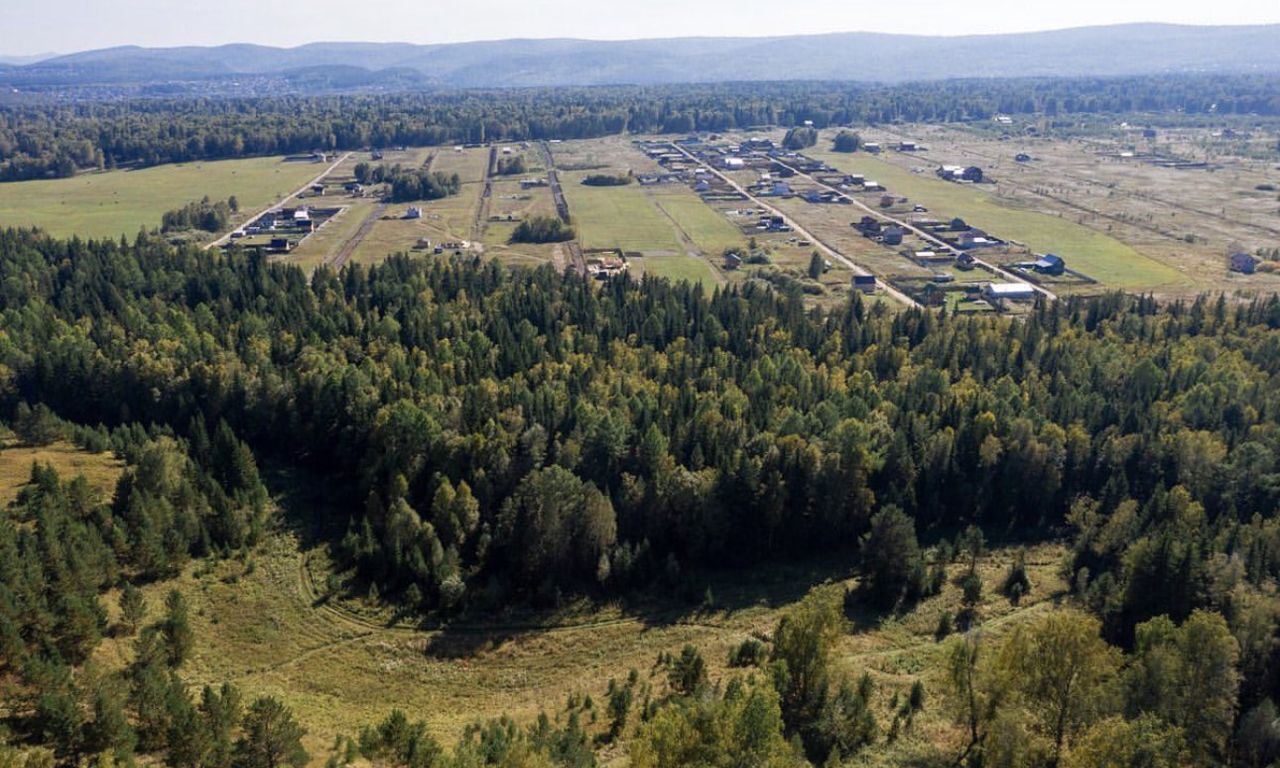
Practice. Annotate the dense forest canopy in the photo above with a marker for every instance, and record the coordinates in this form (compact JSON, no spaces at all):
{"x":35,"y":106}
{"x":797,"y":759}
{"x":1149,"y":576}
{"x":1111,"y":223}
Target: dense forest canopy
{"x":494,"y":425}
{"x":43,"y":140}
{"x":492,"y":436}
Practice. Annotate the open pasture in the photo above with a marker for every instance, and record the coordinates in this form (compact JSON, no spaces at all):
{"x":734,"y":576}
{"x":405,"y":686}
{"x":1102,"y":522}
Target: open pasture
{"x":114,"y":203}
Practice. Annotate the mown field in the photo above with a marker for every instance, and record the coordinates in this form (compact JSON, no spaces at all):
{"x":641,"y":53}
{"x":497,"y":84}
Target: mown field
{"x":710,"y":231}
{"x":618,"y":217}
{"x":121,"y":202}
{"x":693,"y":268}
{"x":1111,"y":262}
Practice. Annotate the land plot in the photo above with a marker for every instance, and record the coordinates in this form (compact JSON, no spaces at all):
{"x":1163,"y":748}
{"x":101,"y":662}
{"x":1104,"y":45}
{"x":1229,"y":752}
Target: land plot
{"x":120,"y":202}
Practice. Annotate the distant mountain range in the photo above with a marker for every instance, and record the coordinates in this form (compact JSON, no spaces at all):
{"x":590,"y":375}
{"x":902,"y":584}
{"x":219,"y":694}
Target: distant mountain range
{"x":1131,"y":49}
{"x":29,"y":59}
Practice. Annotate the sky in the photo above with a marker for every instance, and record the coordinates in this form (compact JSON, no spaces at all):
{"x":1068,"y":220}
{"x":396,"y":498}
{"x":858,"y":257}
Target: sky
{"x":65,"y":26}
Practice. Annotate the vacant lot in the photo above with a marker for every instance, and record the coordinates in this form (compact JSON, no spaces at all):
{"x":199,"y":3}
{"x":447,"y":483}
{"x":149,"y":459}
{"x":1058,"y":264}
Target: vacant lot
{"x":121,"y":202}
{"x":710,"y":232}
{"x":625,"y":218}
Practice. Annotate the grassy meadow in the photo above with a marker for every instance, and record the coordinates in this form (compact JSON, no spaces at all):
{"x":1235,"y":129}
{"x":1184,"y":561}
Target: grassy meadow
{"x":710,"y":231}
{"x":100,"y":469}
{"x":618,"y":217}
{"x":679,"y":267}
{"x":113,"y":203}
{"x":268,"y":623}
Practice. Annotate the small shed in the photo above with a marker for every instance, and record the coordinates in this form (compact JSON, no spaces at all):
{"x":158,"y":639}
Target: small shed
{"x":864,"y":283}
{"x":892,"y":236}
{"x":1243,"y":263}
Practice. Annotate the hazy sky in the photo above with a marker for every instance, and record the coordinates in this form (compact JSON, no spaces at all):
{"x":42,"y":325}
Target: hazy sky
{"x":37,"y":26}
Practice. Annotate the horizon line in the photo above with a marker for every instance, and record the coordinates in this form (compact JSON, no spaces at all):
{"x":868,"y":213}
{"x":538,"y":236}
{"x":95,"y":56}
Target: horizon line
{"x":47,"y":55}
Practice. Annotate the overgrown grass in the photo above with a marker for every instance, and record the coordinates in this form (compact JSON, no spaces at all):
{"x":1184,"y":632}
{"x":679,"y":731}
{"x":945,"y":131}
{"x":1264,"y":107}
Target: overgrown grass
{"x":268,"y":623}
{"x":710,"y":231}
{"x":100,"y":469}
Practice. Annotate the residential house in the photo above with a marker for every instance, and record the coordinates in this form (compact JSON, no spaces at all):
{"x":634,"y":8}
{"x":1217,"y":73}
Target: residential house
{"x":1049,"y":264}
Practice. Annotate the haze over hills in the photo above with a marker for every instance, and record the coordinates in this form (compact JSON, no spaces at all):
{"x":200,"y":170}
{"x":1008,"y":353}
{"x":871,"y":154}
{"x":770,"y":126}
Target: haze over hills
{"x":28,"y":59}
{"x":1131,"y":49}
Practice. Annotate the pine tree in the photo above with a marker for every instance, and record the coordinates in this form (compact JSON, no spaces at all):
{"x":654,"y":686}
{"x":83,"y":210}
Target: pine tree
{"x":133,"y":608}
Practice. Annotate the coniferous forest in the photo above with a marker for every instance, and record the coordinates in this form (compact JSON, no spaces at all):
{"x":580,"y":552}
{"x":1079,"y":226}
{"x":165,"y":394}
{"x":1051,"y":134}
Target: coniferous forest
{"x":52,"y":139}
{"x":493,"y":436}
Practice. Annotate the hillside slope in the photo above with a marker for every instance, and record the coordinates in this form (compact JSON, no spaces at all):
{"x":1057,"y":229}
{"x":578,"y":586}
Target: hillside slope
{"x":1092,"y":51}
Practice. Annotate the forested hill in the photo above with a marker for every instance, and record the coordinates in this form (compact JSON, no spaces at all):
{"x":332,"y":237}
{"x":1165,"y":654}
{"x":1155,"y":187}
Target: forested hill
{"x":1096,"y":51}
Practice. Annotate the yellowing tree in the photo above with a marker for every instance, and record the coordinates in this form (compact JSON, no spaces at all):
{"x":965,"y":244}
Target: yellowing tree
{"x":1064,"y":672}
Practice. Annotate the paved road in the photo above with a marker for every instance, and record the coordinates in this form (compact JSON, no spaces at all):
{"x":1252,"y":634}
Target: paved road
{"x":296,"y":192}
{"x":822,"y":245}
{"x":928,"y":237}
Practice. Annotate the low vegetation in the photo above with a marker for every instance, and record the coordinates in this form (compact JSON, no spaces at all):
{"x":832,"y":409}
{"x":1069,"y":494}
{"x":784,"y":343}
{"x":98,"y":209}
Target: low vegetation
{"x":607,"y":180}
{"x":542,"y":229}
{"x":205,"y":215}
{"x":846,"y":141}
{"x":511,"y":166}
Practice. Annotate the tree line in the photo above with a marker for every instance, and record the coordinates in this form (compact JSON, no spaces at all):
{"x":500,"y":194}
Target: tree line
{"x":55,"y":140}
{"x":204,"y":215}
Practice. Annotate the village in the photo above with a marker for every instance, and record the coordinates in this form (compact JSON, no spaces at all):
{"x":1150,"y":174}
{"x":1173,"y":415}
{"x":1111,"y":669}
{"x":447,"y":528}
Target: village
{"x":967,"y":268}
{"x":825,"y":221}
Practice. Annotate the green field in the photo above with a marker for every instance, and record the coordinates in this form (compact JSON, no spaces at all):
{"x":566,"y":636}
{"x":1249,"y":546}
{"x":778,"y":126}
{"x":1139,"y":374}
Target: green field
{"x":121,"y":202}
{"x":680,"y":267}
{"x":618,"y":217}
{"x":709,"y":230}
{"x":1103,"y":258}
